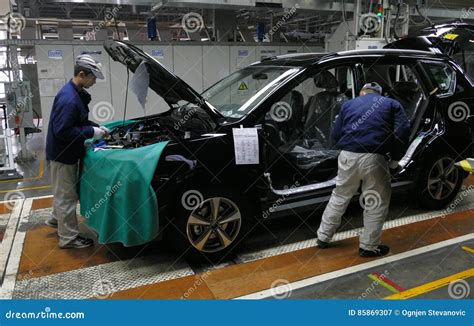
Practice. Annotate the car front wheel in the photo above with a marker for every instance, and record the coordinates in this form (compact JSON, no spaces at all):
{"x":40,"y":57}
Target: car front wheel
{"x":209,"y":224}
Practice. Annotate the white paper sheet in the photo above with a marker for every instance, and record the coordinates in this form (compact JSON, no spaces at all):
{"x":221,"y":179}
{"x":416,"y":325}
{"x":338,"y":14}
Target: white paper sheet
{"x":140,"y":82}
{"x":246,"y":146}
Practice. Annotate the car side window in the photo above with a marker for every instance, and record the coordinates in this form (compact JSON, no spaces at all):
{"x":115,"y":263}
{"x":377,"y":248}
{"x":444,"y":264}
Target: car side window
{"x":306,"y":113}
{"x":443,"y":76}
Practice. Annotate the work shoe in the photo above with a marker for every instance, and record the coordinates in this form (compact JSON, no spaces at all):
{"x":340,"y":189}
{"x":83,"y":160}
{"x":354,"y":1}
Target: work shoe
{"x":322,"y":244}
{"x":52,"y":222}
{"x":78,"y":243}
{"x":381,"y":250}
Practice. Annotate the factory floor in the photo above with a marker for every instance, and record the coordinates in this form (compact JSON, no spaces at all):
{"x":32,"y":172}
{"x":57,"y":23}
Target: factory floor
{"x":35,"y":173}
{"x":432,"y":256}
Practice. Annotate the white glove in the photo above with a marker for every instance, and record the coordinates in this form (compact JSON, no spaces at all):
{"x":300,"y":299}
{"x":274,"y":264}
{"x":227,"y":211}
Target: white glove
{"x":107,"y":130}
{"x":98,"y":133}
{"x":393,"y":164}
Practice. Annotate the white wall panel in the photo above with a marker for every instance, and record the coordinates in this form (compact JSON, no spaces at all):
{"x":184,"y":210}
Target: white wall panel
{"x":188,"y":64}
{"x":241,"y":56}
{"x":216,"y":64}
{"x":266,"y":51}
{"x":52,"y":70}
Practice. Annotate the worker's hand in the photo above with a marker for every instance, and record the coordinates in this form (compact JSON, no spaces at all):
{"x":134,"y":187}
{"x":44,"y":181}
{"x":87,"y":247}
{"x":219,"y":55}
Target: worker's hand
{"x":107,"y":130}
{"x":393,"y":164}
{"x":394,"y":168}
{"x":98,"y":133}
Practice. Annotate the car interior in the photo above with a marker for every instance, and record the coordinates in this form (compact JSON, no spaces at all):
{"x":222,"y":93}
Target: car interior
{"x":303,"y":143}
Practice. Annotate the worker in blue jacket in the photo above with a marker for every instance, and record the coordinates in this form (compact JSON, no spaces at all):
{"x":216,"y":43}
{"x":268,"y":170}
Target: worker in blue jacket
{"x":69,"y":126}
{"x":369,"y":129}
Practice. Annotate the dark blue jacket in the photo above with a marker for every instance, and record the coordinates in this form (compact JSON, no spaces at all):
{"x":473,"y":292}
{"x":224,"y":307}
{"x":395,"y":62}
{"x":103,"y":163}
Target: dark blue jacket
{"x":69,"y":125}
{"x":372,"y":124}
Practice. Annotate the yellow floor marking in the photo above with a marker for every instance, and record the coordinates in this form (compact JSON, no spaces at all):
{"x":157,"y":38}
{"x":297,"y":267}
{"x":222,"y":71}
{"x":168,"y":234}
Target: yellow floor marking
{"x":24,"y":189}
{"x":468,"y":249}
{"x":431,"y":286}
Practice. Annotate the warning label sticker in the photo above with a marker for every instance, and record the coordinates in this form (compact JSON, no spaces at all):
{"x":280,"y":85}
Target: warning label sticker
{"x":451,"y":36}
{"x":243,"y":87}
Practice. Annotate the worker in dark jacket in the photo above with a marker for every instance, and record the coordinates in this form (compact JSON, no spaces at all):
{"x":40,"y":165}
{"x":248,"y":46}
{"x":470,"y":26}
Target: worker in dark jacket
{"x":69,"y":126}
{"x":367,"y":129}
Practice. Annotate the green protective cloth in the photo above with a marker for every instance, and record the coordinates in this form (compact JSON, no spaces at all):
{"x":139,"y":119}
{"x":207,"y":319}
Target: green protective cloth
{"x":116,"y":195}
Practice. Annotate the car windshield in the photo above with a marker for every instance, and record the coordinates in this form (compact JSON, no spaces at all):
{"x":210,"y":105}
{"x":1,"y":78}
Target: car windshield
{"x":237,"y":94}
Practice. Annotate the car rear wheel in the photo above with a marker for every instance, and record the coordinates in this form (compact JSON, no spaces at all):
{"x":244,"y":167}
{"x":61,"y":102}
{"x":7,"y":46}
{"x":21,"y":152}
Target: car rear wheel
{"x":439,"y":182}
{"x":210,"y":224}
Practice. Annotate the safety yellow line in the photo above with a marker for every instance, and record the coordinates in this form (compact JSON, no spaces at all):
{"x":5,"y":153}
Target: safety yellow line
{"x":431,"y":286}
{"x":39,"y":176}
{"x":24,"y":189}
{"x":468,"y":249}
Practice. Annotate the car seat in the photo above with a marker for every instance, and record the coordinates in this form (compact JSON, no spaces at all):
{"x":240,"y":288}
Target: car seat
{"x":323,"y":108}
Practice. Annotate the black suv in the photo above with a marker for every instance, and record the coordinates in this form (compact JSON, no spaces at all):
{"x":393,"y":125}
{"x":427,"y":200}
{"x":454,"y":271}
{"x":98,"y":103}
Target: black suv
{"x":257,"y":144}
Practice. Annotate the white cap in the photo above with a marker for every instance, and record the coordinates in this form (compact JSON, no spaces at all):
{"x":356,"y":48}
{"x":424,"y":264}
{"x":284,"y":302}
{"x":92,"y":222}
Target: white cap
{"x":88,"y":62}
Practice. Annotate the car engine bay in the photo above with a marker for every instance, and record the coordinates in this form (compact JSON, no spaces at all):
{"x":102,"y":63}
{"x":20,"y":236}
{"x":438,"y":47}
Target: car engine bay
{"x":177,"y":124}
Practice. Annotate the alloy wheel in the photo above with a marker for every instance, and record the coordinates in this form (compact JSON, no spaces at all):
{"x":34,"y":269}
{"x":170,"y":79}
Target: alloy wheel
{"x":214,"y":224}
{"x":442,"y":178}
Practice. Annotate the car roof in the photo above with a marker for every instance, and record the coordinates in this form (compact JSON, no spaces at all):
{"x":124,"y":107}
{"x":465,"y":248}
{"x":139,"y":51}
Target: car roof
{"x":307,"y":59}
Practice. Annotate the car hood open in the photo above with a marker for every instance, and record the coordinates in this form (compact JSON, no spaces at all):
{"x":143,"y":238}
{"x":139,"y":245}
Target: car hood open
{"x":166,"y":84}
{"x":449,"y":39}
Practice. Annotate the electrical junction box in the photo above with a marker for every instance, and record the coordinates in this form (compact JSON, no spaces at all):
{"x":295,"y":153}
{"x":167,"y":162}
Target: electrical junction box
{"x":19,"y":100}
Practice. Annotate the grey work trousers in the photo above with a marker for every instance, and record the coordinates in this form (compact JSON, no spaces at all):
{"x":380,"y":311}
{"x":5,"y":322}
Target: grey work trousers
{"x":64,"y":178}
{"x":373,"y":171}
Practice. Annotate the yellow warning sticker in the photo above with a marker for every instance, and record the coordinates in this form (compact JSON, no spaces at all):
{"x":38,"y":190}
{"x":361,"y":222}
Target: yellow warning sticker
{"x":451,"y":36}
{"x":243,"y":87}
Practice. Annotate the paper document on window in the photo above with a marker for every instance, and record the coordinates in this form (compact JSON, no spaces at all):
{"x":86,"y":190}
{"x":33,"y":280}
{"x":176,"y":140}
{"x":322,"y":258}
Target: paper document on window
{"x":246,"y":145}
{"x":140,"y":82}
